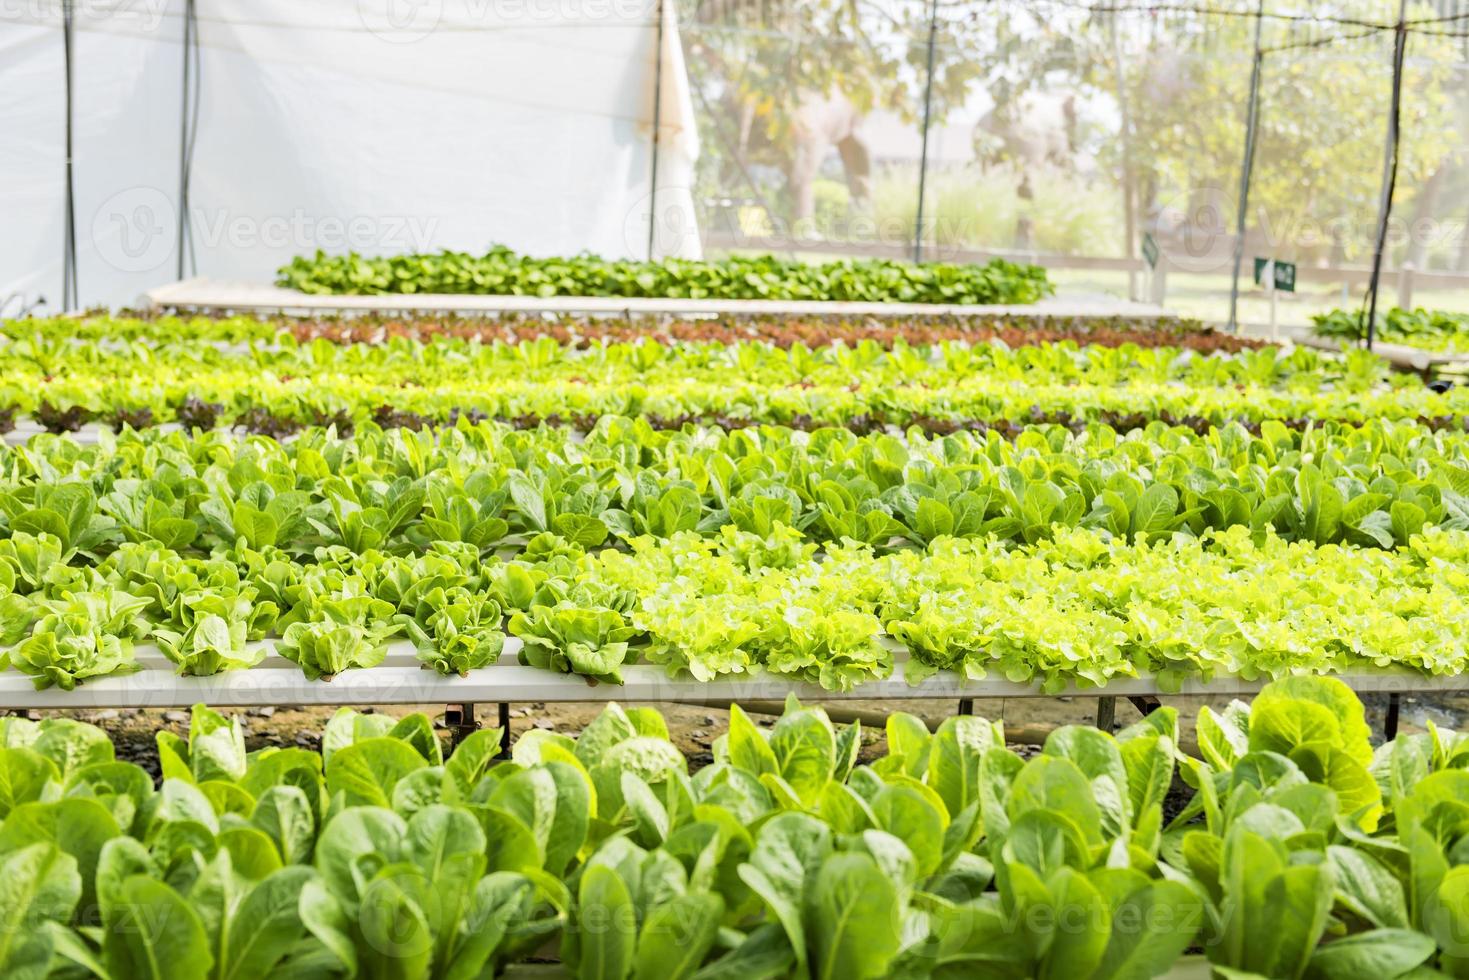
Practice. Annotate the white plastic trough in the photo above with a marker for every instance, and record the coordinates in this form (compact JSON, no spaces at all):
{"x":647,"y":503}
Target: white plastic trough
{"x":400,"y":679}
{"x":202,"y":294}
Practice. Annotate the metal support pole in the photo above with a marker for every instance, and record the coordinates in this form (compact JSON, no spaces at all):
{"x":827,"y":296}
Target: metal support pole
{"x":1106,"y":714}
{"x":1247,"y":167}
{"x":657,"y":129}
{"x":1268,"y":275}
{"x":70,"y":295}
{"x":504,"y":730}
{"x":1129,"y":171}
{"x":1389,"y":168}
{"x":1145,"y":704}
{"x":181,"y":232}
{"x":966,"y":706}
{"x":459,"y":718}
{"x":933,"y":26}
{"x":1390,"y":722}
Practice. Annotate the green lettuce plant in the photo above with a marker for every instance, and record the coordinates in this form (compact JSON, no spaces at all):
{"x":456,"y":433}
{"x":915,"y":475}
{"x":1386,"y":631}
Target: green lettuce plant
{"x":1299,"y":850}
{"x":455,"y":632}
{"x":289,"y":389}
{"x":502,"y":271}
{"x":88,"y":634}
{"x":573,"y":639}
{"x":352,"y":632}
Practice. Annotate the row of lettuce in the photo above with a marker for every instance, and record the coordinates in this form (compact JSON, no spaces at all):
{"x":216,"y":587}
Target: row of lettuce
{"x":503,"y":272}
{"x":496,"y":487}
{"x":1082,"y":608}
{"x":121,"y":345}
{"x":579,"y":330}
{"x":1429,"y":329}
{"x":1302,"y":852}
{"x":1052,"y":559}
{"x":63,"y":384}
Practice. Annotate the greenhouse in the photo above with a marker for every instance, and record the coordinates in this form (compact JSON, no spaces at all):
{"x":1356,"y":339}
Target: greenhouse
{"x":701,"y":489}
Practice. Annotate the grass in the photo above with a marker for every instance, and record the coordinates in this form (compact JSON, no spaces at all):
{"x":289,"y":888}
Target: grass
{"x":976,"y":208}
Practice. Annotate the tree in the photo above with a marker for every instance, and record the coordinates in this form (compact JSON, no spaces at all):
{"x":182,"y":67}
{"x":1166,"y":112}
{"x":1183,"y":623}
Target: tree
{"x":1178,"y":84}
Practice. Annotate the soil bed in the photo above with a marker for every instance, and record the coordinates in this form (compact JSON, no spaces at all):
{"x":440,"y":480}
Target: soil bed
{"x":694,"y":729}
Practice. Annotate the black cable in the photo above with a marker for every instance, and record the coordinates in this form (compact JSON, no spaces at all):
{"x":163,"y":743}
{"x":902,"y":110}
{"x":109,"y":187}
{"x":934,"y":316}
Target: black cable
{"x":933,"y":24}
{"x":1400,"y":44}
{"x":1180,"y":8}
{"x":1456,"y":34}
{"x":1437,"y":20}
{"x":966,"y":5}
{"x":1321,"y":42}
{"x":1415,"y":24}
{"x":1246,"y":169}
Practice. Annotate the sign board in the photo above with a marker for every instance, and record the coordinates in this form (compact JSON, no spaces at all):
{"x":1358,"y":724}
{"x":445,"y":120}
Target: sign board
{"x":1285,"y":274}
{"x":1150,"y":250}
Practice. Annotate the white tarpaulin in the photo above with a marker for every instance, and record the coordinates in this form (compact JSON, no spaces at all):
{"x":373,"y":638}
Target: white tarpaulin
{"x":379,"y":126}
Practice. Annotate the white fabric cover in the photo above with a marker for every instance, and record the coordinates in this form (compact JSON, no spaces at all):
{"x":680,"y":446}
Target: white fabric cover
{"x":382,"y":126}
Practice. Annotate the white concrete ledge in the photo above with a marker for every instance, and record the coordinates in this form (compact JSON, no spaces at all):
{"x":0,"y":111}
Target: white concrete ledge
{"x":1399,"y":355}
{"x":401,"y":680}
{"x":208,"y":295}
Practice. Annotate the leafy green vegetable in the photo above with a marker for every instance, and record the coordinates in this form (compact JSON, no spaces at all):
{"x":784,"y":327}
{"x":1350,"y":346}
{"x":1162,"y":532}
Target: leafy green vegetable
{"x":285,"y":388}
{"x":952,"y":856}
{"x":87,"y":634}
{"x":568,"y":638}
{"x":455,"y":632}
{"x":351,"y":634}
{"x":1439,"y":330}
{"x":501,"y":271}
